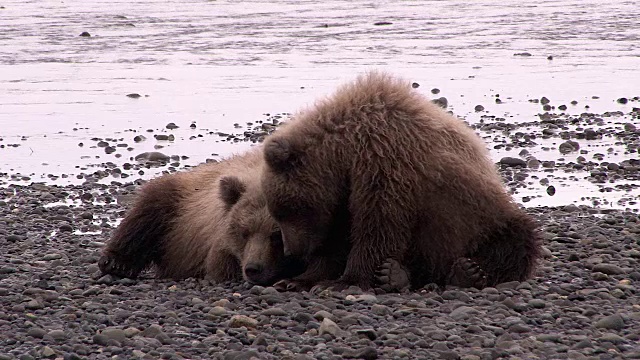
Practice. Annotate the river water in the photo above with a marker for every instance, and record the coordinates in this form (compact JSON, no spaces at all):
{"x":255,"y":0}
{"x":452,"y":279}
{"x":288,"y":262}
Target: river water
{"x":220,"y":63}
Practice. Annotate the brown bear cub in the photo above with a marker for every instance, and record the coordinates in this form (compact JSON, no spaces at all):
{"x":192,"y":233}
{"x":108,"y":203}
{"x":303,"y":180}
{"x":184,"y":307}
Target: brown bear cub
{"x":211,"y":221}
{"x":378,"y":172}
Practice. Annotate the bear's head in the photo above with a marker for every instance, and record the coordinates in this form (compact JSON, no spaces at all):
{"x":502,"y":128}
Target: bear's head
{"x":254,"y":237}
{"x":305,"y":194}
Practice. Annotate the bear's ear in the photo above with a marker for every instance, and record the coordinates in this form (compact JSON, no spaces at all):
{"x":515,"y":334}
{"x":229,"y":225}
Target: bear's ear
{"x":231,"y":189}
{"x":279,"y":154}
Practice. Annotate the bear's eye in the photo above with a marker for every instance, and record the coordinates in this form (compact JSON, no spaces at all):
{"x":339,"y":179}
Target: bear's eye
{"x":276,"y":238}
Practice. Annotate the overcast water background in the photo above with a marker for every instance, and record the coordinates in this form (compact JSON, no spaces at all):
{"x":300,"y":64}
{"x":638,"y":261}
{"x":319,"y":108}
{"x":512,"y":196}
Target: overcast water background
{"x":220,"y":63}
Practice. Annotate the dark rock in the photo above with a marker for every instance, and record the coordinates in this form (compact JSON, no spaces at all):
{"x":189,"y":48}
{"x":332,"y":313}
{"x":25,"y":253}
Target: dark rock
{"x":152,"y":156}
{"x":612,"y":322}
{"x":513,"y":162}
{"x":442,"y":102}
{"x":609,"y":269}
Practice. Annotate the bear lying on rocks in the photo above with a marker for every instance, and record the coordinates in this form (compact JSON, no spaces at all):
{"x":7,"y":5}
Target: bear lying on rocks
{"x":211,"y":222}
{"x":378,"y":173}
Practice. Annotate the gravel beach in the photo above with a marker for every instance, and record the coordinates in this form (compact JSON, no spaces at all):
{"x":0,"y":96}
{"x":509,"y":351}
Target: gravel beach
{"x":583,"y":303}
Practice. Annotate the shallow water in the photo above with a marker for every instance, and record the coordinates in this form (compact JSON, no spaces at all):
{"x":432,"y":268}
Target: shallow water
{"x":220,"y":63}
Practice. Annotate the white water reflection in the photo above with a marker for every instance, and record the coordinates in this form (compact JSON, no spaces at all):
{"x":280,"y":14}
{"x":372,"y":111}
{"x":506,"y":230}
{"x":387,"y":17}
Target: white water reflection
{"x":221,"y":63}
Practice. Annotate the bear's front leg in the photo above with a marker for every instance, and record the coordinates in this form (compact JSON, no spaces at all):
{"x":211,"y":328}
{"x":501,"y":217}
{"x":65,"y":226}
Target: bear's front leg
{"x":374,"y":240}
{"x":392,"y":276}
{"x":222,"y":266}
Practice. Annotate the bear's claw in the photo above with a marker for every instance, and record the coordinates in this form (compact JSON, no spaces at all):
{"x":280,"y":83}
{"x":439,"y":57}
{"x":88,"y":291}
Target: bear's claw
{"x":391,"y":276}
{"x":109,"y":265}
{"x":285,"y":285}
{"x":466,"y":272}
{"x":340,"y":285}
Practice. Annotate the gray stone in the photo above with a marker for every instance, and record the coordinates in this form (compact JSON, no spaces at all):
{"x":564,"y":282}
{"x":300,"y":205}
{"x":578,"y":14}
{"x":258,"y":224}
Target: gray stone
{"x":33,"y":305}
{"x":37,"y":332}
{"x":366,"y":298}
{"x":612,"y":338}
{"x":58,"y":335}
{"x":151,"y":331}
{"x":513,"y":162}
{"x":612,"y":322}
{"x":52,"y":256}
{"x":608,"y":269}
{"x":380,"y":310}
{"x":276,"y":311}
{"x":537,"y":303}
{"x":242,"y":320}
{"x":322,"y":314}
{"x":218,"y":311}
{"x":463,"y":312}
{"x":154,"y":156}
{"x":47,"y":352}
{"x":114,"y":334}
{"x":329,"y":327}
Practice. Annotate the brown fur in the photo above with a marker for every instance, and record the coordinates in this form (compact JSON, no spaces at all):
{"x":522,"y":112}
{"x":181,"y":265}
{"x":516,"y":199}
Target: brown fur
{"x":377,"y":171}
{"x":209,"y":222}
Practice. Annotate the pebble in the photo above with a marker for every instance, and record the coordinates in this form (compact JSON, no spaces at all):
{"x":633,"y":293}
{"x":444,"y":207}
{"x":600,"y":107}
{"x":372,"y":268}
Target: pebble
{"x":36,"y":332}
{"x":380,"y":310}
{"x":33,"y":305}
{"x":52,"y":294}
{"x":151,"y":331}
{"x":612,"y":338}
{"x":441,"y":101}
{"x":322,"y":314}
{"x":513,"y":162}
{"x":463,"y":312}
{"x":58,"y":335}
{"x":329,"y":327}
{"x":153,"y":156}
{"x":52,"y":256}
{"x":366,"y":298}
{"x":242,"y":320}
{"x":274,"y":312}
{"x":367,"y":353}
{"x":47,"y":352}
{"x":218,"y":311}
{"x":609,"y":269}
{"x":114,"y":334}
{"x":537,"y":303}
{"x":612,"y":322}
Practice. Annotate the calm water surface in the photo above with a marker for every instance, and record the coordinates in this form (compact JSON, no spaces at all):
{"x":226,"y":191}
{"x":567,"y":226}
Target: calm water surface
{"x":221,"y":63}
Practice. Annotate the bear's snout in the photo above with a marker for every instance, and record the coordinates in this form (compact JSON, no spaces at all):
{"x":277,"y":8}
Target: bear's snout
{"x":253,"y":272}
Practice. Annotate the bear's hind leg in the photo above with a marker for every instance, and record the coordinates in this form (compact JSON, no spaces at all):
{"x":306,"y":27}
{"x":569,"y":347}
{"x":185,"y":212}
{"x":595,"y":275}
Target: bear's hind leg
{"x":138,"y":241}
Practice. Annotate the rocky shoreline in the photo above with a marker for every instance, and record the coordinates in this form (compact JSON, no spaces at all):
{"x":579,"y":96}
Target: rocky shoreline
{"x":583,"y":302}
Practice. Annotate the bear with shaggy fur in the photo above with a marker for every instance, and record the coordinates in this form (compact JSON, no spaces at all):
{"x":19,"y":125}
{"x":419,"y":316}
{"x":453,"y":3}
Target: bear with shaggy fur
{"x":378,"y":172}
{"x":209,"y":222}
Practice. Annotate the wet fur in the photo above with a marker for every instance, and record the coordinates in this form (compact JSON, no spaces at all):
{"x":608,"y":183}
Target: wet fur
{"x":393,"y":176}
